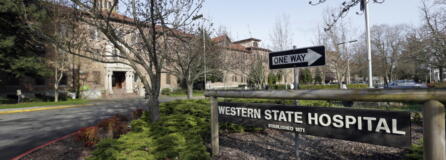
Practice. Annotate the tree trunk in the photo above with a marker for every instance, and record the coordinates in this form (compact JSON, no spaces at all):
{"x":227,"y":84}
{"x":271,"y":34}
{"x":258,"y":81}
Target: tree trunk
{"x":153,"y":105}
{"x":56,"y":93}
{"x":56,"y":85}
{"x":190,"y":87}
{"x":441,"y":74}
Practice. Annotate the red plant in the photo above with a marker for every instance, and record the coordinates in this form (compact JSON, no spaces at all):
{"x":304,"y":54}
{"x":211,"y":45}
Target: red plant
{"x":114,"y":126}
{"x":89,"y":136}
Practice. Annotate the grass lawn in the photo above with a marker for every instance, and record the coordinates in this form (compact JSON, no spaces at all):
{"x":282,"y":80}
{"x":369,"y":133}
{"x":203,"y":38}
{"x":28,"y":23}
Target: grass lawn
{"x":179,"y":93}
{"x":35,"y":104}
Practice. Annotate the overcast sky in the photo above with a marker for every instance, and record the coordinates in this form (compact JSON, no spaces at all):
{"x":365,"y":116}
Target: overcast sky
{"x":255,"y":18}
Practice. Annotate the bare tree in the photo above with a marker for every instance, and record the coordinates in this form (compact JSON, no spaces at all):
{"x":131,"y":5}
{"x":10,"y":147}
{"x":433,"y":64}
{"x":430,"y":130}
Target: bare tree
{"x":346,"y":5}
{"x":281,"y":39}
{"x":336,"y":57}
{"x":434,"y":34}
{"x":187,"y":58}
{"x":388,"y":44}
{"x":153,"y":24}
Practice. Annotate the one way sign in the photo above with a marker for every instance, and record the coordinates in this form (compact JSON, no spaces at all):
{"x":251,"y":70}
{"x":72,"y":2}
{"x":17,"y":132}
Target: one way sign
{"x":302,"y":57}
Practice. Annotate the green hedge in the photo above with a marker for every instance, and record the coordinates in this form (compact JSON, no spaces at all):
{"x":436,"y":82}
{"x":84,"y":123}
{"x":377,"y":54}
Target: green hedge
{"x":311,"y":86}
{"x":181,"y":133}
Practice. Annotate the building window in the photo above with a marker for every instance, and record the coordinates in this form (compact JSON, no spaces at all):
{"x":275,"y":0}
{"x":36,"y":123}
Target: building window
{"x":256,"y":44}
{"x":168,"y":79}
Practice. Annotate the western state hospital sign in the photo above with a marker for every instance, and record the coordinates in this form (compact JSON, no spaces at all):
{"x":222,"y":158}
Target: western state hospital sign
{"x":389,"y":128}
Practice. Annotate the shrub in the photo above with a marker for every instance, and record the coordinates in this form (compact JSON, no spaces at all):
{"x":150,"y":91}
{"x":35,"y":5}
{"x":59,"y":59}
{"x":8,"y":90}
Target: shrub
{"x":166,"y":91}
{"x":115,"y":125}
{"x":312,"y":86}
{"x":137,"y":113}
{"x":180,"y":133}
{"x":89,"y":136}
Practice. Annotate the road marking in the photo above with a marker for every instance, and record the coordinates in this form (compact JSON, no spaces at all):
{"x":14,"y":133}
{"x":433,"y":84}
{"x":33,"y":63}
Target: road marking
{"x":40,"y":109}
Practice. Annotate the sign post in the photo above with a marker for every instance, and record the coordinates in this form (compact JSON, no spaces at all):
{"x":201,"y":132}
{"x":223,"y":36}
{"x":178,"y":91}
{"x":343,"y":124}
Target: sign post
{"x":303,"y":57}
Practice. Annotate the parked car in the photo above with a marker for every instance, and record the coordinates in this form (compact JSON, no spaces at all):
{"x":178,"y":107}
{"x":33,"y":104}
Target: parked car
{"x":405,"y":84}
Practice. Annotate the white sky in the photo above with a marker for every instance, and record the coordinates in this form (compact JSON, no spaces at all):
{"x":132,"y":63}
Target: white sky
{"x":255,"y":18}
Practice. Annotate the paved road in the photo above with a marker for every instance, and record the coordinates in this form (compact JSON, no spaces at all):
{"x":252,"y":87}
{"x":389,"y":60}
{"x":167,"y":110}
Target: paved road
{"x":20,"y":132}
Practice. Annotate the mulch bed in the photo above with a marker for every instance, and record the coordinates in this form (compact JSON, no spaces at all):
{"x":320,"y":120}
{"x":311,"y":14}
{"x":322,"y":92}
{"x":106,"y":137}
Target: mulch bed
{"x":268,"y":144}
{"x":67,"y":149}
{"x":72,"y":147}
{"x":273,"y":144}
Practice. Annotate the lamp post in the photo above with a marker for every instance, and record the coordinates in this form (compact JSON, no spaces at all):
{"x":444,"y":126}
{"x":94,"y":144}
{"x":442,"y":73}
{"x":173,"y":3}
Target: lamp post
{"x":364,"y":6}
{"x":204,"y":48}
{"x":348,"y":58}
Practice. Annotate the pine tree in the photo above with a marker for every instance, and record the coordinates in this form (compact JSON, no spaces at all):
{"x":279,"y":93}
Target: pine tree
{"x":21,"y":52}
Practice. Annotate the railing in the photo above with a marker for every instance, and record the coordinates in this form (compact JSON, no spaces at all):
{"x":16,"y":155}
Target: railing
{"x":433,"y":109}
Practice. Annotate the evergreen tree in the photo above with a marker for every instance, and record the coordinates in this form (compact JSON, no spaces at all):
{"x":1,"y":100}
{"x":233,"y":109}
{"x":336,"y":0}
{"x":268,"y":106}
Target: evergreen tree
{"x":318,"y":76}
{"x":21,"y":51}
{"x":305,"y":76}
{"x":272,"y":78}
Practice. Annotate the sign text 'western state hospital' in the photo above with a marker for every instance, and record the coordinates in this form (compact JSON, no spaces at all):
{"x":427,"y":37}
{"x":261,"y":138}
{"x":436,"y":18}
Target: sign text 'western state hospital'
{"x":370,"y":126}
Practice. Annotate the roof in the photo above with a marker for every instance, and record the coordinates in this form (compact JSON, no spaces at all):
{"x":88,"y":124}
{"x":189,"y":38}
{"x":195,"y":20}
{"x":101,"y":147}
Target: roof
{"x":221,"y":38}
{"x":116,"y":17}
{"x":248,"y":39}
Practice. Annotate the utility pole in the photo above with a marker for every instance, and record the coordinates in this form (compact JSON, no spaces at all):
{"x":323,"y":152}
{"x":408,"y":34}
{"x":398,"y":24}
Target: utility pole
{"x":204,"y":47}
{"x":296,"y":78}
{"x":369,"y":50}
{"x":204,"y":57}
{"x":348,"y":58}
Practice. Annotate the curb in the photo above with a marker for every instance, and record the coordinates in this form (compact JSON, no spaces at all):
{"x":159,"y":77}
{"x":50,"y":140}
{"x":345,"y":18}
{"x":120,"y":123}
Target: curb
{"x":47,"y":144}
{"x":40,"y":109}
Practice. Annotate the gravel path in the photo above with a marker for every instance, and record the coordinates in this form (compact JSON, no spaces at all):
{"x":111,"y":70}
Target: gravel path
{"x":273,"y":144}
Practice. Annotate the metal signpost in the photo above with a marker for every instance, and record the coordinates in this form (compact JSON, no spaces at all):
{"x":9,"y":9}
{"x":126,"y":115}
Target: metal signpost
{"x":302,"y":57}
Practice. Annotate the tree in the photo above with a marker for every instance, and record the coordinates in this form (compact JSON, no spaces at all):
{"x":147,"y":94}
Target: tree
{"x":305,"y":76}
{"x":344,"y":9}
{"x":388,"y":43}
{"x":318,"y":76}
{"x":21,"y":51}
{"x":331,"y":39}
{"x":272,"y":78}
{"x":281,"y":39}
{"x":154,"y":26}
{"x":256,"y":74}
{"x":434,"y":34}
{"x":61,"y":25}
{"x":187,"y":59}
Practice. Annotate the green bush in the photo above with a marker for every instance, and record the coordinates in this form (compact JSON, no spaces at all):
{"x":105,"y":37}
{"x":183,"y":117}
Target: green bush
{"x":319,"y":86}
{"x":180,"y":133}
{"x":166,"y":91}
{"x":279,"y":87}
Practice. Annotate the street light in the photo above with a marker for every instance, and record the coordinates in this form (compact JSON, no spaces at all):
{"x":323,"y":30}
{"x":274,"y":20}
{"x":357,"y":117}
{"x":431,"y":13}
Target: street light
{"x":364,"y":6}
{"x":348,"y":57}
{"x":204,"y":48}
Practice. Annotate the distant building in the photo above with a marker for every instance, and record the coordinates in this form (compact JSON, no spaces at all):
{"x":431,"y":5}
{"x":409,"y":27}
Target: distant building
{"x":239,"y":55}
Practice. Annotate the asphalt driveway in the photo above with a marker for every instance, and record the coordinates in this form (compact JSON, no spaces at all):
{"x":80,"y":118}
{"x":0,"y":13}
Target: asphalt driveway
{"x":20,"y":132}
